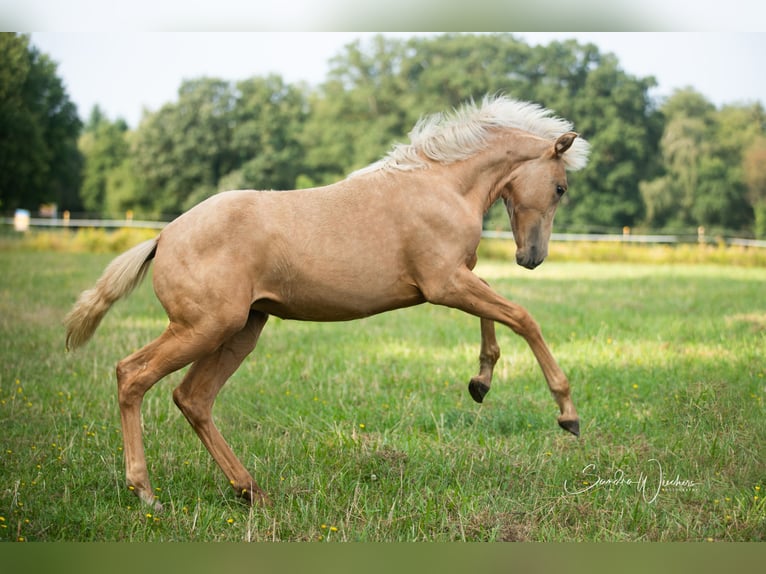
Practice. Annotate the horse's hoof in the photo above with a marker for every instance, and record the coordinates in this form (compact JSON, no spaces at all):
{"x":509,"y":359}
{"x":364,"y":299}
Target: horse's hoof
{"x":255,"y":497}
{"x":571,"y":426}
{"x":147,"y":498}
{"x":478,"y":390}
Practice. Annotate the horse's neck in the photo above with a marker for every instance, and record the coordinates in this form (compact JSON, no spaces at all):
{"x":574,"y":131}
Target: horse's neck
{"x":483,"y":176}
{"x":486,"y":174}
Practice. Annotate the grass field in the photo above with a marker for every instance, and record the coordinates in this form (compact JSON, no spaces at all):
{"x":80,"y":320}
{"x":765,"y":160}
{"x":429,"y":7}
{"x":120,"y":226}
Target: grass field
{"x":365,"y":430}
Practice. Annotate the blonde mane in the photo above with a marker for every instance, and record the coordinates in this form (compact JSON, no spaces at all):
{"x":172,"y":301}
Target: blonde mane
{"x":447,"y":138}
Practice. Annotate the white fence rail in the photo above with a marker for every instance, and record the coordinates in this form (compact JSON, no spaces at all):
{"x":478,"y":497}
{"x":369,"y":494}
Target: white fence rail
{"x":625,"y":237}
{"x":630,"y":238}
{"x":22,"y":225}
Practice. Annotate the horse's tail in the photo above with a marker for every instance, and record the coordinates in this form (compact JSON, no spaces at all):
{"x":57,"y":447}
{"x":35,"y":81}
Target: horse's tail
{"x":120,"y":277}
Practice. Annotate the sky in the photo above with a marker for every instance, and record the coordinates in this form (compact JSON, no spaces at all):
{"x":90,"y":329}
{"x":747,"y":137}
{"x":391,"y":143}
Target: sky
{"x":127,"y":72}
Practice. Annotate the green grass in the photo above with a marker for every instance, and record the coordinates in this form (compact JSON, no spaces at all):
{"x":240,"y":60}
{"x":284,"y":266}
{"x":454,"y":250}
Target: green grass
{"x":365,"y":430}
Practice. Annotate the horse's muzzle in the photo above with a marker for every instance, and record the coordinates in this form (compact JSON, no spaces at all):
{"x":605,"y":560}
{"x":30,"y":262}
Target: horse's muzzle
{"x":529,"y":259}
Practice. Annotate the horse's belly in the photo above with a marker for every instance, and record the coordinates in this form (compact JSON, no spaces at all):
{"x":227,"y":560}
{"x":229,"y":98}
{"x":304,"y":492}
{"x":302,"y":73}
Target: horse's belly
{"x":331,"y":307}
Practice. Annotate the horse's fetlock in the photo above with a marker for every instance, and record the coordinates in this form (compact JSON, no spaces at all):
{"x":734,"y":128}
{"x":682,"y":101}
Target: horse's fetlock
{"x":490,"y":355}
{"x":560,"y":386}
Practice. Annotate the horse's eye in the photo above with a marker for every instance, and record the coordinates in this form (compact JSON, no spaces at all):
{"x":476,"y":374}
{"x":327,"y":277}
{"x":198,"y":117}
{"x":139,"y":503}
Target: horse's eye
{"x":560,"y":190}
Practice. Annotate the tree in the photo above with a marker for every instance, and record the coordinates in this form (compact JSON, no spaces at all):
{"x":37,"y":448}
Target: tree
{"x":357,"y":113}
{"x":445,"y":71}
{"x":703,"y":150}
{"x":376,"y":92}
{"x":268,"y":118}
{"x":125,"y":190}
{"x":39,"y":159}
{"x":104,"y":147}
{"x":670,"y":198}
{"x":219,"y":135}
{"x":184,"y":148}
{"x":754,"y":167}
{"x":676,"y":165}
{"x":720,"y":202}
{"x":614,"y":112}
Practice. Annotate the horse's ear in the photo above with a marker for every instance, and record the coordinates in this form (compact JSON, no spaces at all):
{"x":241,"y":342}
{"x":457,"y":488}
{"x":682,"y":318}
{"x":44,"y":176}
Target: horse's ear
{"x":563,"y":143}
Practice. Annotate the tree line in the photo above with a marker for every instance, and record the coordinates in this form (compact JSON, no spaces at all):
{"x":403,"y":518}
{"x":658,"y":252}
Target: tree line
{"x":669,"y":165}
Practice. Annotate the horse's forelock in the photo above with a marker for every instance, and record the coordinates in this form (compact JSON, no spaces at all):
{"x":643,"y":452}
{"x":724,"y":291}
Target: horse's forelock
{"x":576,"y":157}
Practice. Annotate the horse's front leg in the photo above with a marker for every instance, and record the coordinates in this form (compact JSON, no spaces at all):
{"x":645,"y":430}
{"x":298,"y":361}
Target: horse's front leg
{"x":488,"y":356}
{"x":465,"y":291}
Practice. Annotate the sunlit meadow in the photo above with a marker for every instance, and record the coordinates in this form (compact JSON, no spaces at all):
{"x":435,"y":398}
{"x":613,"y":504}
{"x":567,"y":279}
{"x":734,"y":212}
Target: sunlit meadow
{"x":365,"y":430}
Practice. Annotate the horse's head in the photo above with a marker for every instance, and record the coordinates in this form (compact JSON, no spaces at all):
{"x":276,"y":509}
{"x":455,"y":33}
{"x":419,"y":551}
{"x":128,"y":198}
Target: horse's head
{"x":531,"y":197}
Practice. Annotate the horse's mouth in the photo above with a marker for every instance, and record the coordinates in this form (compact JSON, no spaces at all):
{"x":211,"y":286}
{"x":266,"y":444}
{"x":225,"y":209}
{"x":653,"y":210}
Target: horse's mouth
{"x":529,"y":260}
{"x":530,"y":264}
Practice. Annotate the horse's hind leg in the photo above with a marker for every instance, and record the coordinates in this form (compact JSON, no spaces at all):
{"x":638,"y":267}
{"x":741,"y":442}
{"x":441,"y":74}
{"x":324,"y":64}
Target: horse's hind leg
{"x":136,"y":374}
{"x":196,"y":394}
{"x":488,"y":356}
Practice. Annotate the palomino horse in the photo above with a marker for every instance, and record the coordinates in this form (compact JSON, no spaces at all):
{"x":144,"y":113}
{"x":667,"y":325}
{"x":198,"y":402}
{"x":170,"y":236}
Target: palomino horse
{"x":400,"y":232}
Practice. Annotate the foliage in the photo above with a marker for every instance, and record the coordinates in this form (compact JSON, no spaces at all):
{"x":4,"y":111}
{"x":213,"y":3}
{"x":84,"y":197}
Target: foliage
{"x":622,"y":126}
{"x":105,"y":147}
{"x":183,"y":148}
{"x":219,"y":135}
{"x":374,"y":95}
{"x":39,"y":126}
{"x":364,"y":431}
{"x":670,"y":165}
{"x":754,"y":166}
{"x":269,"y":116}
{"x":706,"y":167}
